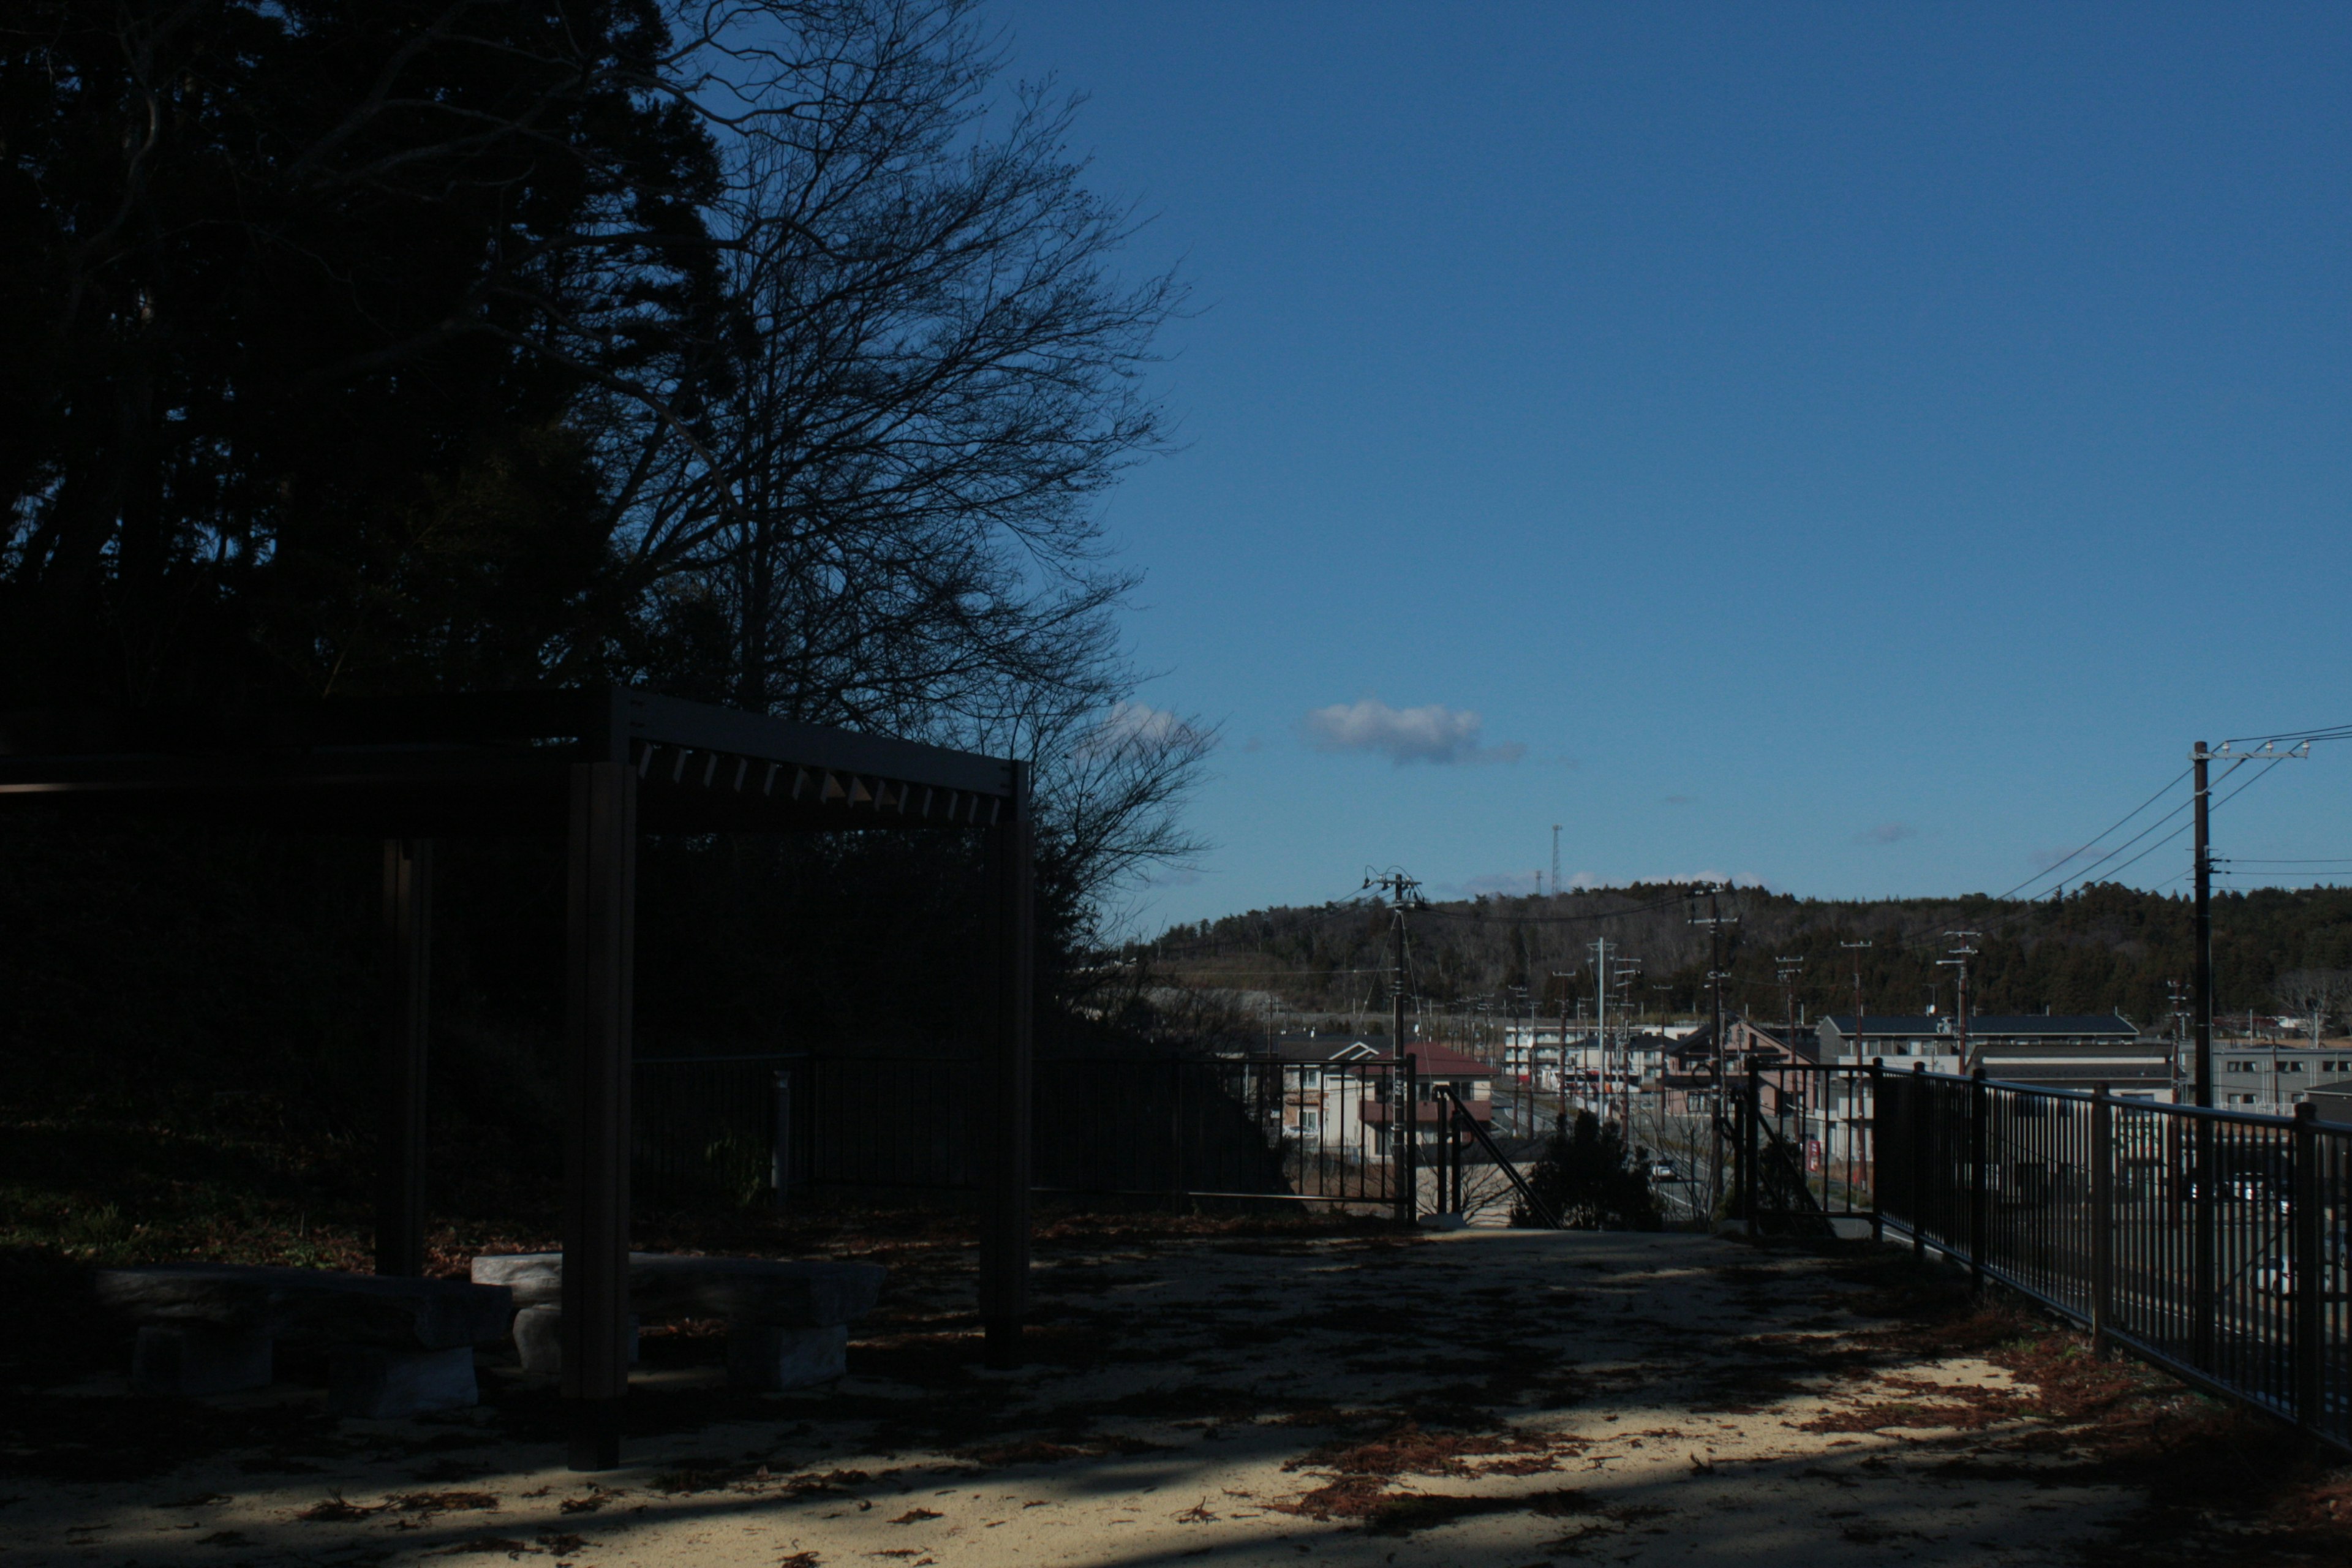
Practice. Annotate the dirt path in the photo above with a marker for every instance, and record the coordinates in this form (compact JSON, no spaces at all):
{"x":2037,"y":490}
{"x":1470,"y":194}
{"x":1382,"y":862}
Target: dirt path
{"x":1481,"y":1397}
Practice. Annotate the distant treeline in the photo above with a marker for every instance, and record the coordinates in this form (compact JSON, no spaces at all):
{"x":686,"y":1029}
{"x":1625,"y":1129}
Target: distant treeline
{"x":2099,"y":948}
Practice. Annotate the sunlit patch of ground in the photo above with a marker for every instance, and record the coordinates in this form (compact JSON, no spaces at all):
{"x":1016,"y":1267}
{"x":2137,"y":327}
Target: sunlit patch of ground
{"x":1490,"y":1398}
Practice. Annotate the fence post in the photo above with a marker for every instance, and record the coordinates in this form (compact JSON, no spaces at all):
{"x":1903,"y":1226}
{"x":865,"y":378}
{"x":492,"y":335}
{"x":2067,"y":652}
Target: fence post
{"x":1750,"y":1144}
{"x":2102,"y":1220}
{"x":1917,"y":1162}
{"x":2310,"y":1274}
{"x":1878,"y":1100}
{"x":1980,"y":1172}
{"x":2206,"y":1193}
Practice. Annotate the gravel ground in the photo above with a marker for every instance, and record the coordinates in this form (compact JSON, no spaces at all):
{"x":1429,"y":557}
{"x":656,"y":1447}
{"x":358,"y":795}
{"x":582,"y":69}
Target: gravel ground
{"x":1478,"y":1397}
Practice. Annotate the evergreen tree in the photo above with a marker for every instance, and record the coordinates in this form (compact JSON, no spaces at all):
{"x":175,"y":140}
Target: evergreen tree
{"x":1590,"y":1179}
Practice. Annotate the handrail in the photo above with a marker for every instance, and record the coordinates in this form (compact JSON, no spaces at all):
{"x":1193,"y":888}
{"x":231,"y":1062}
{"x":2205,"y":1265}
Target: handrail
{"x":2211,"y":1113}
{"x":1536,"y":1206}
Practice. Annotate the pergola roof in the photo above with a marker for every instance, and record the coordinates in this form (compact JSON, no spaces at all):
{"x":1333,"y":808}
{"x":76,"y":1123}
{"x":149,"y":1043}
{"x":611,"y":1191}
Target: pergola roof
{"x":494,"y":763}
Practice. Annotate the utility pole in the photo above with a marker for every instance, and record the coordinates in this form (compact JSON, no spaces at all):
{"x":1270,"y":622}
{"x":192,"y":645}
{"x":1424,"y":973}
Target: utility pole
{"x":1627,"y":968}
{"x":1787,"y":974}
{"x":1600,"y":1013}
{"x":1714,"y":922}
{"x":2201,"y":971}
{"x":2200,"y":962}
{"x":1959,"y":961}
{"x":1855,"y":947}
{"x":1556,"y":974}
{"x":1403,"y":893}
{"x":2179,"y":1032}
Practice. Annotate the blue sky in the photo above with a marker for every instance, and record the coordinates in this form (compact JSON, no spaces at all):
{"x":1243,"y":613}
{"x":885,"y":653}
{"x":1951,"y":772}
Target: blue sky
{"x":1851,"y":448}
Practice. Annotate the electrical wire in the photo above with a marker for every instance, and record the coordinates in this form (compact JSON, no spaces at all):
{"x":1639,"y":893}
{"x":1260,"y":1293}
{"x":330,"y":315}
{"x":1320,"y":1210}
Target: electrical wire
{"x":2326,"y":732}
{"x":2095,"y":839}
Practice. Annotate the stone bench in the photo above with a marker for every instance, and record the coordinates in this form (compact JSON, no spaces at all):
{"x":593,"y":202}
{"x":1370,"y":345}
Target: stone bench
{"x":787,"y":1322}
{"x":396,"y":1346}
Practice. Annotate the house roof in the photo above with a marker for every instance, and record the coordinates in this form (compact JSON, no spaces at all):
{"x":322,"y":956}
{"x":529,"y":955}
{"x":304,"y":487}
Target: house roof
{"x":2022,"y":1026}
{"x":1430,"y":1058}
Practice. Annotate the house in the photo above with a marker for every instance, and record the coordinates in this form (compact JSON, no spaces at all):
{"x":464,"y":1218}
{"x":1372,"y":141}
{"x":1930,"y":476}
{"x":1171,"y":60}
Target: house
{"x":2275,"y":1079}
{"x":1337,"y":1089}
{"x":2045,"y":1050}
{"x":1532,"y":1053}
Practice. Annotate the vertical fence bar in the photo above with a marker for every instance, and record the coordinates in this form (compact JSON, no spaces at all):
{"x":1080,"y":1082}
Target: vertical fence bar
{"x":2308,"y":1262}
{"x":2205,"y":1193}
{"x":1405,"y":1125}
{"x":1176,"y":1172}
{"x":1917,"y":1117}
{"x":2103,"y":1221}
{"x":1750,"y":1140}
{"x":1980,"y":1206}
{"x":782,"y":1150}
{"x":1877,"y":1125}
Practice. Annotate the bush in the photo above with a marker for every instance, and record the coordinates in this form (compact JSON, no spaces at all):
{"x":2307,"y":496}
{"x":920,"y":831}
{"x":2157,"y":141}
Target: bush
{"x":1591,"y":1180}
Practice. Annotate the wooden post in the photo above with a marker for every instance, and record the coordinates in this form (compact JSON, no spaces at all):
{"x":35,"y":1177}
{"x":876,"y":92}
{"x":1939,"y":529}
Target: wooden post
{"x":407,"y":1010}
{"x":2103,"y":1221}
{"x":2310,"y":1269}
{"x":600,"y":948}
{"x":1004,"y":1226}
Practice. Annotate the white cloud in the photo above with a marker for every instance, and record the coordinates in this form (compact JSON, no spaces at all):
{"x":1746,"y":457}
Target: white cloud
{"x":1141,"y":725}
{"x":1886,"y":832}
{"x":1431,"y":734}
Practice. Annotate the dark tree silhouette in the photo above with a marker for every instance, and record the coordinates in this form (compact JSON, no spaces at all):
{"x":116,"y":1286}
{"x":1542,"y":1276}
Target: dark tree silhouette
{"x":1590,"y":1180}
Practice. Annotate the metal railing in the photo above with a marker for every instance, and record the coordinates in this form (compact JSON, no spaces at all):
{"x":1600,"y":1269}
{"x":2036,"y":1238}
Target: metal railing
{"x":2211,"y":1243}
{"x":756,"y":1128}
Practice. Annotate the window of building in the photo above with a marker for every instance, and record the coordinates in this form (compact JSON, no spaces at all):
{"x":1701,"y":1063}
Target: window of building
{"x":2290,"y":1066}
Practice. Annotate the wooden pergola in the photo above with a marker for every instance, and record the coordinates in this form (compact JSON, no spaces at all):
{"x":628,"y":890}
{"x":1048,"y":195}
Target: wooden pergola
{"x":600,"y":766}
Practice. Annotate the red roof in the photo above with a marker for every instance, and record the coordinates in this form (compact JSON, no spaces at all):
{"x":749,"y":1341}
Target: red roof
{"x":1434,"y":1061}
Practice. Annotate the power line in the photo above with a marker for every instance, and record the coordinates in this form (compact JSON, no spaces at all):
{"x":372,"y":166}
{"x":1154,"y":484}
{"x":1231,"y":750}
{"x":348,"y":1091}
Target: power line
{"x":2327,"y":732}
{"x":2095,"y":839}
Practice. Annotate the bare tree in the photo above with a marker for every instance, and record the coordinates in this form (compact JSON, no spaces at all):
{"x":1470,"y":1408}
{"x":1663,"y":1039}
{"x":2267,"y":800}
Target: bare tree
{"x":2313,"y":994}
{"x":872,"y":503}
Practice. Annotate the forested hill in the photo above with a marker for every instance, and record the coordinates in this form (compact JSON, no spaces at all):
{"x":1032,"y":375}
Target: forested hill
{"x":2102,"y":947}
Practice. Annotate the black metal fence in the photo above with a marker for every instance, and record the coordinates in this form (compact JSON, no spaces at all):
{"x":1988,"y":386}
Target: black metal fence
{"x":746,"y":1129}
{"x":2212,"y":1243}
